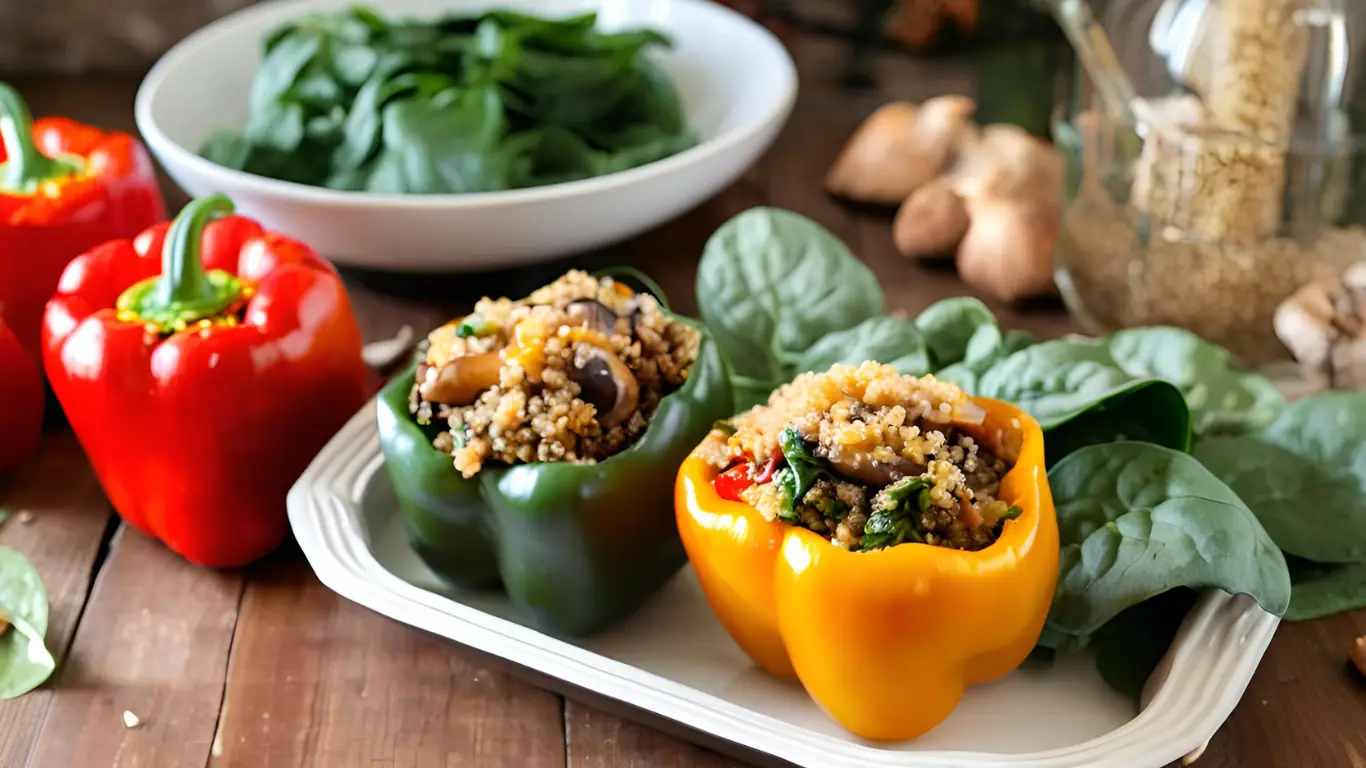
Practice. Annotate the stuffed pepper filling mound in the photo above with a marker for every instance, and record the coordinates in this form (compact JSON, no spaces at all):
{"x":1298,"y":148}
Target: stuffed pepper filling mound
{"x":870,"y":459}
{"x":572,"y":372}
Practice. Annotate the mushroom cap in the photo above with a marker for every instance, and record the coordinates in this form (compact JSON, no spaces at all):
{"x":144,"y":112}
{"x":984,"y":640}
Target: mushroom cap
{"x":596,"y":315}
{"x":899,"y":149}
{"x":932,"y":221}
{"x":605,"y":383}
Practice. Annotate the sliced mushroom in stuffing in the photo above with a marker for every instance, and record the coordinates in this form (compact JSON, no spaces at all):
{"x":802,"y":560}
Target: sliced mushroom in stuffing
{"x":573,"y":372}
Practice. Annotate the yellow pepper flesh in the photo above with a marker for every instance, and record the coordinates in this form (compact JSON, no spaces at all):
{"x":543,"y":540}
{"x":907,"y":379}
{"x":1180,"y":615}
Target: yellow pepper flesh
{"x":884,"y":641}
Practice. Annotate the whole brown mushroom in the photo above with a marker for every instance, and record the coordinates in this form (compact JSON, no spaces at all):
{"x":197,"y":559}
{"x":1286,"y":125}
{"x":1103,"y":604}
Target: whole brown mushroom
{"x":899,"y":149}
{"x":1012,"y":184}
{"x":1008,"y":250}
{"x":932,"y":221}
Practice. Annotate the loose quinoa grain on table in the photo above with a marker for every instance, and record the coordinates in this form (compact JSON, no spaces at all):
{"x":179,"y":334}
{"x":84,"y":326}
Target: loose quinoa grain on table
{"x":869,"y":458}
{"x":572,"y":372}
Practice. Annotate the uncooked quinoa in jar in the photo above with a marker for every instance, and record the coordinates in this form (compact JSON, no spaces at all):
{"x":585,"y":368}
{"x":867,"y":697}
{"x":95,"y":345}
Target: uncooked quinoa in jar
{"x":868,"y":458}
{"x":1238,"y":196}
{"x":572,"y":372}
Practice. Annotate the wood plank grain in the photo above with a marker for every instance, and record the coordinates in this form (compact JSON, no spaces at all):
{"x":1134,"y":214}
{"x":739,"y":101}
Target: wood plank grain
{"x":318,"y":682}
{"x":153,"y":641}
{"x":1305,"y":706}
{"x":61,"y":535}
{"x":596,"y":739}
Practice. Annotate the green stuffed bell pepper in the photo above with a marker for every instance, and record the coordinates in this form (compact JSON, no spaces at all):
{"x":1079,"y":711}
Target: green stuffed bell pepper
{"x":534,"y":446}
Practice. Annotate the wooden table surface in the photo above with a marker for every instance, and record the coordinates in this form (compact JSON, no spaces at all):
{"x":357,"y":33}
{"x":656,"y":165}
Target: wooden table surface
{"x":267,"y":668}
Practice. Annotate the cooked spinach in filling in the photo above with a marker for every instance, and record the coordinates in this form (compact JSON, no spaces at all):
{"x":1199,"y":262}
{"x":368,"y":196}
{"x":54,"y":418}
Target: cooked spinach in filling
{"x":868,"y":458}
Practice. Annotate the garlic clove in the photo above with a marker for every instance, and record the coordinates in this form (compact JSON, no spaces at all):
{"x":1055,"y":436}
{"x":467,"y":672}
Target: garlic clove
{"x":1324,"y":327}
{"x":932,"y":221}
{"x":899,"y":149}
{"x":1304,"y":324}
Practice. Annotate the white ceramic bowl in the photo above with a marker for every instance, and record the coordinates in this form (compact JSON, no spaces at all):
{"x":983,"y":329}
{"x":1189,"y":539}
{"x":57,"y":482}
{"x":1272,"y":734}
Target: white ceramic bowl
{"x":737,"y":83}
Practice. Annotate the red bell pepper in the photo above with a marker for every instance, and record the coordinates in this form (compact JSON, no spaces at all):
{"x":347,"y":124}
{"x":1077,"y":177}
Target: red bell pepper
{"x":21,"y":401}
{"x":64,"y":189}
{"x":202,"y":366}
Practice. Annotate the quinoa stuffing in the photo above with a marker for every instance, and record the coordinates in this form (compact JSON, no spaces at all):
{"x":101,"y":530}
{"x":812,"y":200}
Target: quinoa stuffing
{"x":572,"y":372}
{"x":868,"y":458}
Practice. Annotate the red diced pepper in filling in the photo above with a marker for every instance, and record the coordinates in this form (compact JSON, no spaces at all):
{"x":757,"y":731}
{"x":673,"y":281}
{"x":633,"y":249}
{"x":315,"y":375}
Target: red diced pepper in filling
{"x":732,"y":482}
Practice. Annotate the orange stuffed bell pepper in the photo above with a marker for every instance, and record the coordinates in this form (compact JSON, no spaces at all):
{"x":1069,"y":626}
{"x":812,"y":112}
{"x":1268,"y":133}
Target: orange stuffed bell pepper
{"x":919,"y":557}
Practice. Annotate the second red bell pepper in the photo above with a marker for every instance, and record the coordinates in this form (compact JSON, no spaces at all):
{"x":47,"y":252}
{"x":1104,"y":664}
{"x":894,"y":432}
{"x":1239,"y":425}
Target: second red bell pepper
{"x":21,"y":401}
{"x":202,"y":366}
{"x":64,"y":189}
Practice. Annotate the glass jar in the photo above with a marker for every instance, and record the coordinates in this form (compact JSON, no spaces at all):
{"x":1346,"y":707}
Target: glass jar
{"x":1235,"y":178}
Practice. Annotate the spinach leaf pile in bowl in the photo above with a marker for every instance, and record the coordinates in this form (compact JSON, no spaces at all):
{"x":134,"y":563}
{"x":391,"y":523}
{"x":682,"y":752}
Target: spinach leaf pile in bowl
{"x":474,"y":103}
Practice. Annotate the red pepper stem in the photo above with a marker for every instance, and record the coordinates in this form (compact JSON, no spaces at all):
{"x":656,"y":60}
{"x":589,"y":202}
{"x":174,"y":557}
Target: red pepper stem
{"x":185,"y":292}
{"x":25,"y":167}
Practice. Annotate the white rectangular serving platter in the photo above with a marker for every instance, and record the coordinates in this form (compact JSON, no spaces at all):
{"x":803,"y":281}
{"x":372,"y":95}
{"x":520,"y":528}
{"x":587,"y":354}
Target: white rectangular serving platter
{"x":673,"y":660}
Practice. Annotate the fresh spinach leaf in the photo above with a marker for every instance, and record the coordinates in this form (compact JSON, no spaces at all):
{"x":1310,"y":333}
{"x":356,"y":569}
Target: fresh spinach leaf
{"x":650,"y":99}
{"x":325,"y":128}
{"x":643,"y":152}
{"x":25,"y":662}
{"x":770,"y":285}
{"x":988,"y":346}
{"x":281,"y":67}
{"x":279,"y":127}
{"x":1304,"y":476}
{"x":361,"y":131}
{"x":1081,"y":398}
{"x":354,"y":64}
{"x":1057,"y":380}
{"x":1223,"y":399}
{"x":556,"y":155}
{"x":448,"y":147}
{"x":1150,"y":411}
{"x":569,"y":91}
{"x":1325,"y":590}
{"x":317,"y":89}
{"x":1137,"y":520}
{"x":1131,"y":646}
{"x":950,"y":324}
{"x":228,"y":149}
{"x":572,"y":101}
{"x":891,"y":340}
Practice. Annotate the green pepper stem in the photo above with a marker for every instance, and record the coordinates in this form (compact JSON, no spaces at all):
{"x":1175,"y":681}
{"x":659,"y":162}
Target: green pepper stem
{"x":185,"y":292}
{"x":183,"y":278}
{"x":24,"y":165}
